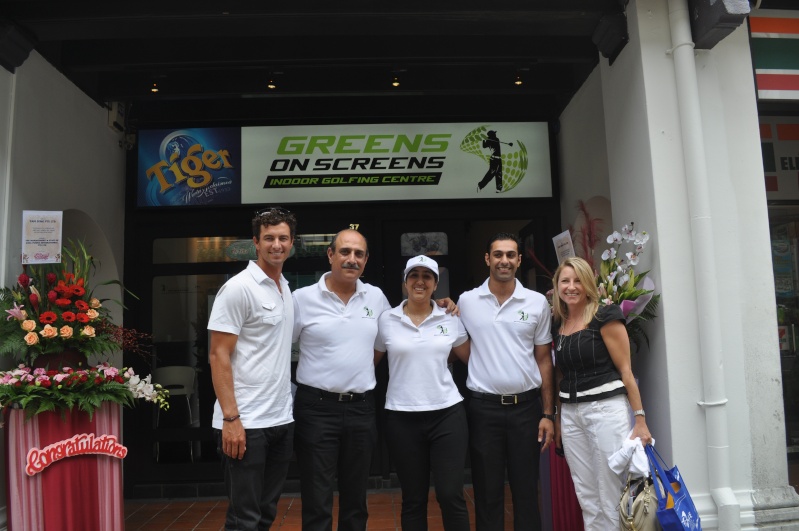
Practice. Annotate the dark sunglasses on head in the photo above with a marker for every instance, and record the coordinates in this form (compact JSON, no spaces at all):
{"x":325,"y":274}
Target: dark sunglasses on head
{"x":271,"y":210}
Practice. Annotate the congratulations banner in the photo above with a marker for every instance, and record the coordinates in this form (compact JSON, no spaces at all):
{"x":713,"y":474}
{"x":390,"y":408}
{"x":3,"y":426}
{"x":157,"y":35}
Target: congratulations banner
{"x":374,"y":162}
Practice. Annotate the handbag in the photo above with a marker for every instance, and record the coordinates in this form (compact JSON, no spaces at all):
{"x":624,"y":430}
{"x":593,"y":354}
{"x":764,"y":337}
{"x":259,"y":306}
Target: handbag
{"x":638,"y":506}
{"x":676,"y":510}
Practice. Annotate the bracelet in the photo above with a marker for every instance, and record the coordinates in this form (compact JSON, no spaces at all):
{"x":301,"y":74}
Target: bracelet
{"x":231,"y":419}
{"x":639,"y":413}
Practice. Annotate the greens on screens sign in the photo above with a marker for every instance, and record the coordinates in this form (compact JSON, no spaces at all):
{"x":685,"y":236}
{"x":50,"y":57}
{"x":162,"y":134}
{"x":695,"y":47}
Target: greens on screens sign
{"x":368,"y":162}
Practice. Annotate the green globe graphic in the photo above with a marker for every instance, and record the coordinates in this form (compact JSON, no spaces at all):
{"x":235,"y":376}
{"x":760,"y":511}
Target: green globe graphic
{"x":514,"y":160}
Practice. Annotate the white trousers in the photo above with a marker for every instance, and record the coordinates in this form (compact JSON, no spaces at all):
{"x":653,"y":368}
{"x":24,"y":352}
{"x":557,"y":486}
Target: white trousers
{"x":592,"y":432}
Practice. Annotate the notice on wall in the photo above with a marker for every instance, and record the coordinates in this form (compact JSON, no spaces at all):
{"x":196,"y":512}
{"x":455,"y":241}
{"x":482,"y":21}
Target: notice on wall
{"x":41,"y":236}
{"x":564,"y":247}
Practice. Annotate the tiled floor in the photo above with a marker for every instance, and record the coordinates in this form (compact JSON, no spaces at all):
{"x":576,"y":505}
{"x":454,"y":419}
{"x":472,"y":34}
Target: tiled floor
{"x":384,"y":513}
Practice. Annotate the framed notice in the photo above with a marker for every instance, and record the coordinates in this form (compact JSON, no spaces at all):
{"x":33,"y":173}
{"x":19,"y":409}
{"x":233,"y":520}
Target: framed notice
{"x":41,"y":236}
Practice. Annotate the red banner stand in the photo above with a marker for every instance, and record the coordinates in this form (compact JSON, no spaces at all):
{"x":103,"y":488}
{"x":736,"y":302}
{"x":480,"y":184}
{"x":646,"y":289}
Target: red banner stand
{"x":566,"y":512}
{"x":66,"y":492}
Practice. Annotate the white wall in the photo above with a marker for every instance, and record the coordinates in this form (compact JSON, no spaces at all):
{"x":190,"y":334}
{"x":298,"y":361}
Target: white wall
{"x":583,"y":164}
{"x":57,"y":153}
{"x":648,"y":181}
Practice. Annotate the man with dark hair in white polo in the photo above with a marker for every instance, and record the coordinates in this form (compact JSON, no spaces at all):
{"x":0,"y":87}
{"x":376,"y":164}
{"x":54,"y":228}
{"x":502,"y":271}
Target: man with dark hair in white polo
{"x":250,"y":356}
{"x":335,"y":321}
{"x":511,"y":387}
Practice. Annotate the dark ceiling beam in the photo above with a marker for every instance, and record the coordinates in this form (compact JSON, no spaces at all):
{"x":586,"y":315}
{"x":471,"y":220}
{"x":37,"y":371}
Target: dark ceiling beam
{"x":144,"y":20}
{"x":112,"y":55}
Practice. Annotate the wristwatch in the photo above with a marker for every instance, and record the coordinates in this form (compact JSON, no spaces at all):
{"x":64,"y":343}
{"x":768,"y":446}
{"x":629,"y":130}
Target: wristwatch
{"x":639,"y":413}
{"x":549,"y":417}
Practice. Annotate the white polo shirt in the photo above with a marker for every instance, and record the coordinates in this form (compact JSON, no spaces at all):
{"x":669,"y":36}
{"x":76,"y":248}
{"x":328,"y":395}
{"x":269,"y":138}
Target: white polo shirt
{"x":336,"y":339}
{"x":419,"y":379}
{"x":503,"y":338}
{"x":250,"y":306}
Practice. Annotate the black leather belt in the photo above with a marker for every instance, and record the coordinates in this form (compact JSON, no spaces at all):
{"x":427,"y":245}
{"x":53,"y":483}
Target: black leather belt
{"x":509,"y":400}
{"x":336,"y":397}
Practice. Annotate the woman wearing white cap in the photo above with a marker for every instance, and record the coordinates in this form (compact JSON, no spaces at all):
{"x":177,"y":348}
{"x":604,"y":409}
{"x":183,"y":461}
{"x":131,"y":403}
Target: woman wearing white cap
{"x":426,"y":424}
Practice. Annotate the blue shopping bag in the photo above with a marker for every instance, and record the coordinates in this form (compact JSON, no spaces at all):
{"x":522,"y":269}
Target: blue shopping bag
{"x":676,"y":510}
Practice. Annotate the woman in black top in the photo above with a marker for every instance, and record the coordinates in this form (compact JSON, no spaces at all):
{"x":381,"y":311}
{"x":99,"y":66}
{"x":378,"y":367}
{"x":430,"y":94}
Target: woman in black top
{"x":596,"y":390}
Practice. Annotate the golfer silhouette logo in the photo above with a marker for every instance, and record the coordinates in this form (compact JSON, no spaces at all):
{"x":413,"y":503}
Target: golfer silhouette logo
{"x":506,"y":170}
{"x":492,"y":143}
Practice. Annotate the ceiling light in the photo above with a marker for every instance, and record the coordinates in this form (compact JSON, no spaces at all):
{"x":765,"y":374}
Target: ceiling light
{"x":518,"y":80}
{"x":154,"y":88}
{"x":271,"y":85}
{"x":395,"y":81}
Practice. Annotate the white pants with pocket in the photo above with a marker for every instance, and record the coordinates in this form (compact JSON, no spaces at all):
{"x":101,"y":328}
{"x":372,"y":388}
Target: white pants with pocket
{"x":592,"y":432}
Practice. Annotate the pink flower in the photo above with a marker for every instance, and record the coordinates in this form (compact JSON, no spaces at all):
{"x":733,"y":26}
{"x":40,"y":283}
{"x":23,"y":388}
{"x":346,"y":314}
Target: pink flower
{"x":28,"y":325}
{"x":94,"y":302}
{"x":16,"y":313}
{"x":87,"y":331}
{"x":65,"y":332}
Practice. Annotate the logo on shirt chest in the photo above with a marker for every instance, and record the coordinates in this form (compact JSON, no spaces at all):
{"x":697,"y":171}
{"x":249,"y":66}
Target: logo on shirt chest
{"x":442,"y":330}
{"x":368,"y":313}
{"x":523,"y":316}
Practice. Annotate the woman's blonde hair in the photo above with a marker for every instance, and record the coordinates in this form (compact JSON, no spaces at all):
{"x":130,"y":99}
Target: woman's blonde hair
{"x":587,"y":278}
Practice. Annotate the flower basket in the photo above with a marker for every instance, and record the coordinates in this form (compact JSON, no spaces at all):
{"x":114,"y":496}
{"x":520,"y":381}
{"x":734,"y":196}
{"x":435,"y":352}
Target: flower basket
{"x":53,"y":325}
{"x":619,"y":283}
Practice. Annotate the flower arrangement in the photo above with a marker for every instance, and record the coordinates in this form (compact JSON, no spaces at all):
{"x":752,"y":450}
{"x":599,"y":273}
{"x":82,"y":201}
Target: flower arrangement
{"x":52,"y":315}
{"x":618,"y":282}
{"x":39,"y":390}
{"x":51,"y":310}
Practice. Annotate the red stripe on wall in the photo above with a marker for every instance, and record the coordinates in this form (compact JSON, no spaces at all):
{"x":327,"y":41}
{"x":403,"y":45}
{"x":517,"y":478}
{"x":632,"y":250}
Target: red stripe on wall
{"x":774,"y":25}
{"x":765,"y":131}
{"x":788,"y":131}
{"x":778,"y":81}
{"x":771,"y":183}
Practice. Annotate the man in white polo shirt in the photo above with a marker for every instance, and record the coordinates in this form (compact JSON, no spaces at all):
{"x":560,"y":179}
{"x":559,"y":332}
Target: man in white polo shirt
{"x":335,"y":321}
{"x":250,"y":355}
{"x":510,"y":384}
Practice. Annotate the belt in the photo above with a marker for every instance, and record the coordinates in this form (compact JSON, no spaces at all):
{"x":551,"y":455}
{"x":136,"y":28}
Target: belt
{"x":508,"y":400}
{"x":336,"y":397}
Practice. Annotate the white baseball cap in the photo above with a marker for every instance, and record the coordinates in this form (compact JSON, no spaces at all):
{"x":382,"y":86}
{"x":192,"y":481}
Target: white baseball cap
{"x":420,"y":261}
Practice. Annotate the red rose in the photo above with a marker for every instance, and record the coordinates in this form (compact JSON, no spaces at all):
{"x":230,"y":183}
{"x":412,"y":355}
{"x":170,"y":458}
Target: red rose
{"x":68,"y":317}
{"x":24,"y":280}
{"x":51,"y":278}
{"x":119,"y":379}
{"x":82,"y":318}
{"x":45,"y":383}
{"x":52,"y":296}
{"x":51,"y":373}
{"x":98,"y":380}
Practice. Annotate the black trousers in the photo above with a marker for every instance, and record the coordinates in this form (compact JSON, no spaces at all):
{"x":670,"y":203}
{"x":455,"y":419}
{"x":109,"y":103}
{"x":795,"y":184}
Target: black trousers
{"x":505,"y":438}
{"x":494,"y":172}
{"x":333,"y":439}
{"x":421,"y":441}
{"x":254,"y":483}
